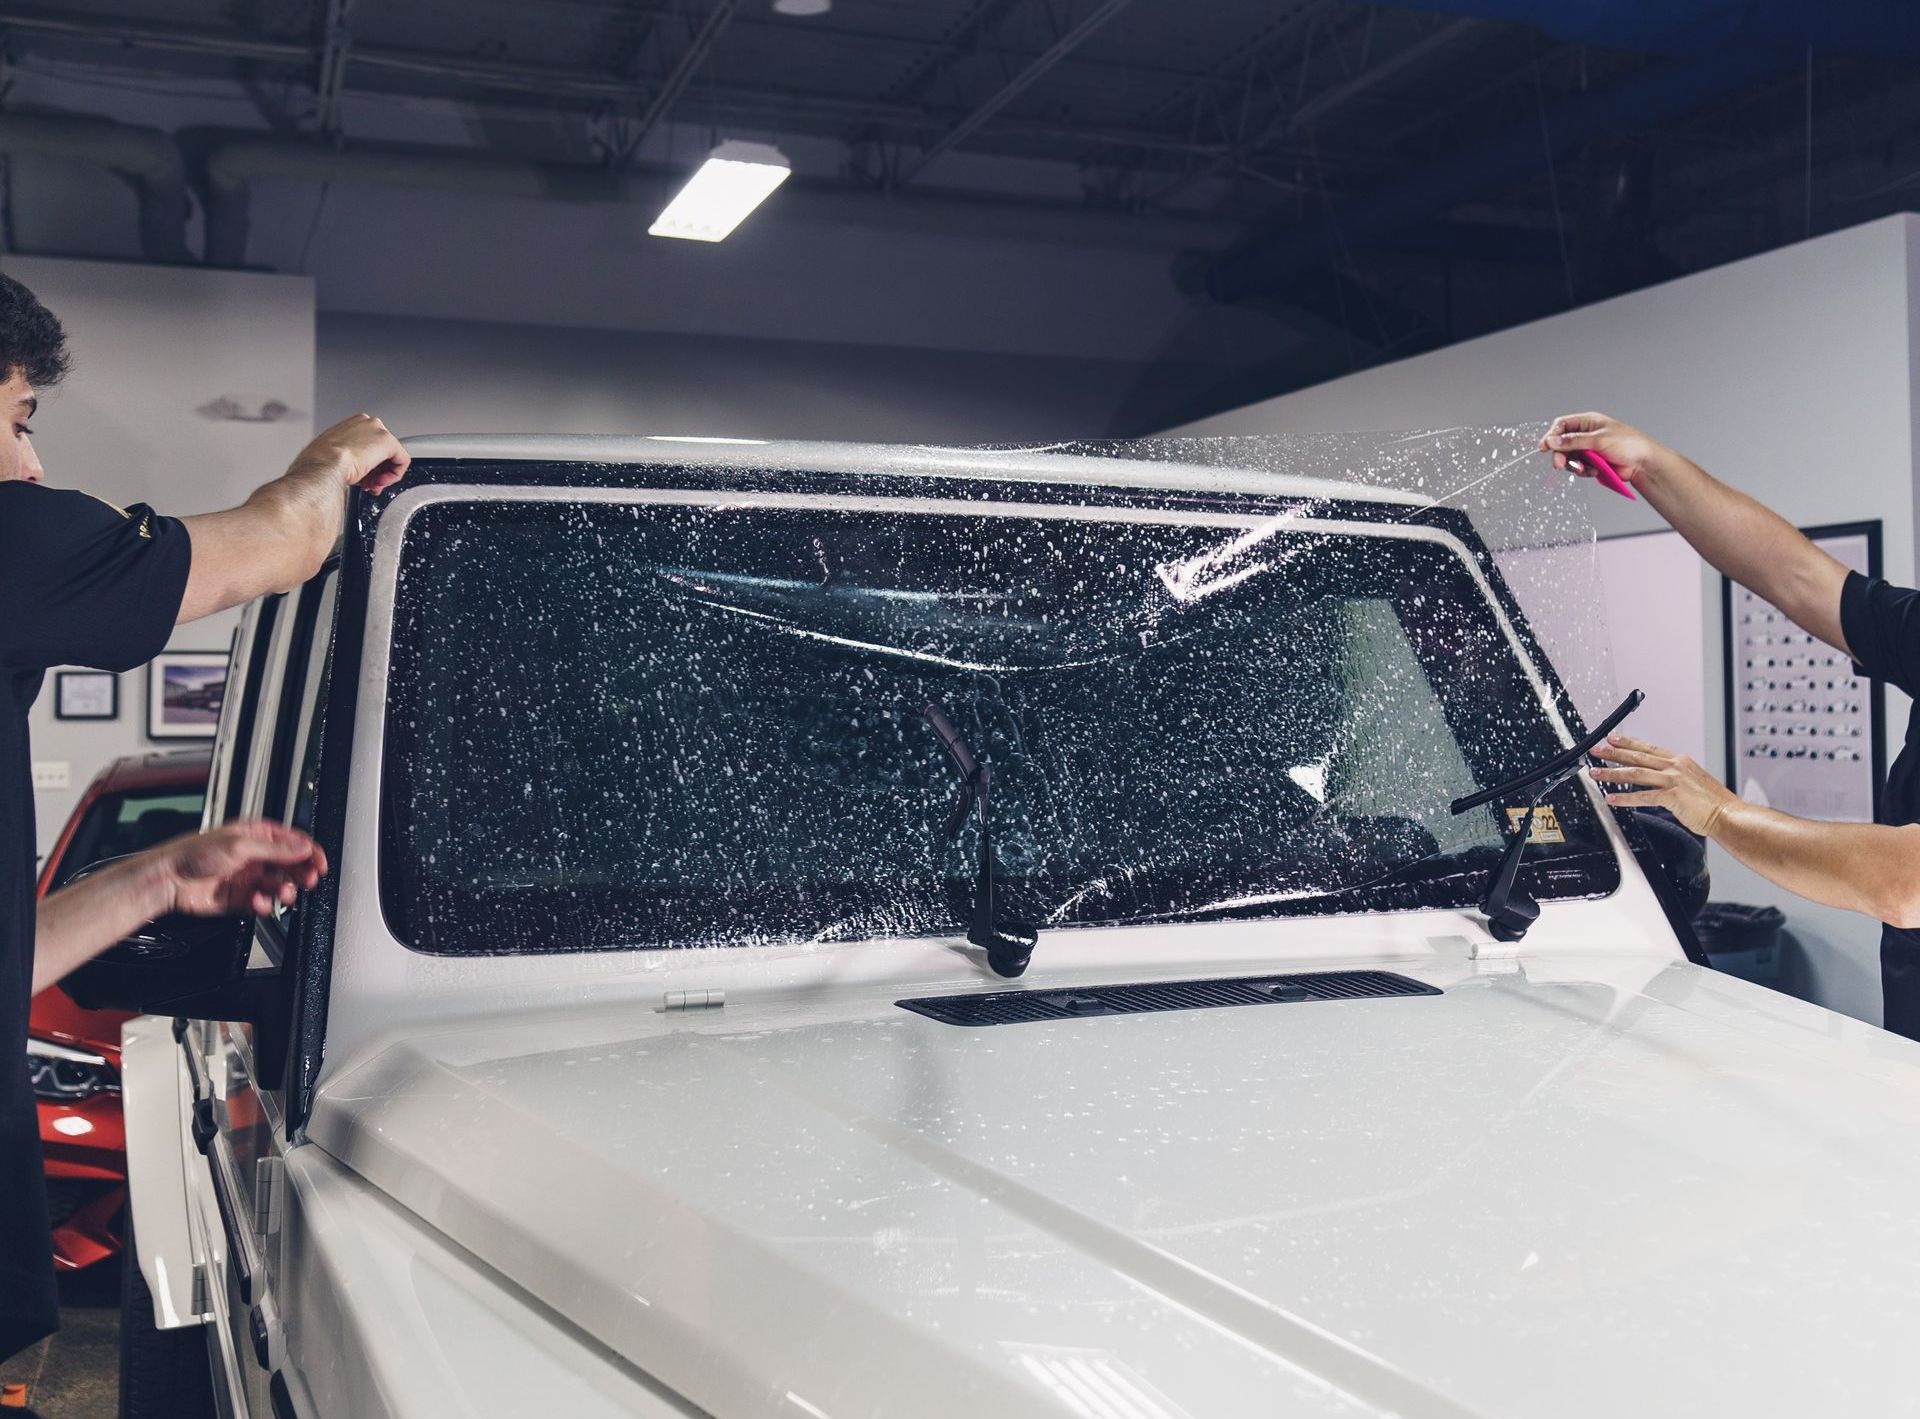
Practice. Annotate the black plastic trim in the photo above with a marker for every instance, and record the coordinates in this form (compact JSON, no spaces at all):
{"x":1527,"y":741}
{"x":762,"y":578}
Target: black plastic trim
{"x":245,"y":722}
{"x":310,"y":952}
{"x":281,"y":1400}
{"x":293,"y":695}
{"x":205,"y":1126}
{"x":1656,"y":874}
{"x":236,"y":1244}
{"x":1020,"y":1007}
{"x":257,"y":1333}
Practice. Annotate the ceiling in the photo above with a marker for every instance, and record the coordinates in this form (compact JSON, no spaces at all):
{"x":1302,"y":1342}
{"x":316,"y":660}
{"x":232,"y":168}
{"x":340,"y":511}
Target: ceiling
{"x":1407,"y":174}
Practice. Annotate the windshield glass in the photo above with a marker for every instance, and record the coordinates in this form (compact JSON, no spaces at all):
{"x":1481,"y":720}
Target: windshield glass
{"x":648,"y":724}
{"x":129,"y":821}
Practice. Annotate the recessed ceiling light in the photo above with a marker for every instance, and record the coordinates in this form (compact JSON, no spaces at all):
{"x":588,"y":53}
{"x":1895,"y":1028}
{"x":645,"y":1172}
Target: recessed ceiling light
{"x":736,"y":178}
{"x":802,"y":7}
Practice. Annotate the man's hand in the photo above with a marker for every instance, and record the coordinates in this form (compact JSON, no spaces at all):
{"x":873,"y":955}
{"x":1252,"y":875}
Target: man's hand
{"x":1635,"y":457}
{"x":1665,"y":780}
{"x":361,"y":451}
{"x":241,"y":867}
{"x":282,"y":534}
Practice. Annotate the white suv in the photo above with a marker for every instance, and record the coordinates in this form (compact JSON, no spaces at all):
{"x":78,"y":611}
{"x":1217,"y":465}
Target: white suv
{"x":654,"y":1049}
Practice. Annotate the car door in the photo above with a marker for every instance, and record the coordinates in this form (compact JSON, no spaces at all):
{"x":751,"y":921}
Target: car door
{"x":273,"y":740}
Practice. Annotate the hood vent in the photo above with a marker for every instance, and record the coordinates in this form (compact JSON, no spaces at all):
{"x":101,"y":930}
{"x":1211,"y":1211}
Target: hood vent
{"x":1019,"y":1007}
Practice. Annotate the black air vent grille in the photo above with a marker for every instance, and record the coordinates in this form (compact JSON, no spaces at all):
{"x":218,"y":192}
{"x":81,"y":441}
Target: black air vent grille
{"x":1019,"y":1007}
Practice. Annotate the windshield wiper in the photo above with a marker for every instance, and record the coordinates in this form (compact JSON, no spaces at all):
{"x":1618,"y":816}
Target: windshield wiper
{"x":1009,"y":949}
{"x":1509,"y":910}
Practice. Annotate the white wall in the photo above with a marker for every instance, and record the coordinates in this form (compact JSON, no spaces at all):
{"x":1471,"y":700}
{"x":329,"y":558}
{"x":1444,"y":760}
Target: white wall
{"x":151,"y":346}
{"x":1789,"y":375}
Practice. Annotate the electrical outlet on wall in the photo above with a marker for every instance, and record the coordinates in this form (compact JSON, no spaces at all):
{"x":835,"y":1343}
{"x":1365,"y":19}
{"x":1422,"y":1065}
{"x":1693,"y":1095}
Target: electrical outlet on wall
{"x":51,"y":774}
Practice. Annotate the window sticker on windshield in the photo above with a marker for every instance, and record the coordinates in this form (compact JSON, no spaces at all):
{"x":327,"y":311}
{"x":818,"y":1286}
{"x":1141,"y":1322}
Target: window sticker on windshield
{"x":1210,"y":678}
{"x":1546,"y":824}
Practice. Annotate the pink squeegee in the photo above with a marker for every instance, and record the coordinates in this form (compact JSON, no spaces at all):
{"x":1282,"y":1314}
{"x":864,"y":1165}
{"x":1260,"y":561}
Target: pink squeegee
{"x":1604,"y":474}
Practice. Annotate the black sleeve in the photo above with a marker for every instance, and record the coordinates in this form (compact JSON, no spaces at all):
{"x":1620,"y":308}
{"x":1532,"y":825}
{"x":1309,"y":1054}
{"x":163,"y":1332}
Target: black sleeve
{"x":83,"y":583}
{"x":1882,"y":627}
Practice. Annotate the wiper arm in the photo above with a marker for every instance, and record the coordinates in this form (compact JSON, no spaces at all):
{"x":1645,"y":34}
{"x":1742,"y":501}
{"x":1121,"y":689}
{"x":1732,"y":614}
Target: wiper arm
{"x":1510,"y":911}
{"x":1008,"y":950}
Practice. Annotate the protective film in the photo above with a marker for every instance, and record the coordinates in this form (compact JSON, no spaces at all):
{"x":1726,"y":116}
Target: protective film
{"x":1207,"y":678}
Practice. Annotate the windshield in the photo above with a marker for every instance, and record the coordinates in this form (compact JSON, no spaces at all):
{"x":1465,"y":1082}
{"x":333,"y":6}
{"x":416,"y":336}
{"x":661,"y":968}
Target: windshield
{"x":129,"y":821}
{"x":648,"y":724}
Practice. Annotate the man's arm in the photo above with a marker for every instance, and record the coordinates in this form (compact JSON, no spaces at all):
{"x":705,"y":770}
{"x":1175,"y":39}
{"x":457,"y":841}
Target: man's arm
{"x":1740,"y":537}
{"x":1862,"y":867}
{"x":280,"y":536}
{"x":238,"y":868}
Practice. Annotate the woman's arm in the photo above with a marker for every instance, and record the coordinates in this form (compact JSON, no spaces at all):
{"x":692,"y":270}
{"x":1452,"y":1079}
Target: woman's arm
{"x":1862,"y":867}
{"x":238,"y":868}
{"x":1740,"y":537}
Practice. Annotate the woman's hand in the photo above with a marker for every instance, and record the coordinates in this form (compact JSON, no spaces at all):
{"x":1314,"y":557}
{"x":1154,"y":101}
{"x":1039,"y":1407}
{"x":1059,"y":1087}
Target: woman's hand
{"x":1663,"y":779}
{"x":1634,"y":456}
{"x":241,"y":867}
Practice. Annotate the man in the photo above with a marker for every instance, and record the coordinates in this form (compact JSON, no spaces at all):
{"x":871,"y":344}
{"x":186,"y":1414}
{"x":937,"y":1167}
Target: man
{"x":1865,"y":867}
{"x":82,"y":582}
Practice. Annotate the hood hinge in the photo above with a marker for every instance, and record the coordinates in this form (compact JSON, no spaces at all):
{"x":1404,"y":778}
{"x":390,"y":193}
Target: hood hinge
{"x":693,"y":1000}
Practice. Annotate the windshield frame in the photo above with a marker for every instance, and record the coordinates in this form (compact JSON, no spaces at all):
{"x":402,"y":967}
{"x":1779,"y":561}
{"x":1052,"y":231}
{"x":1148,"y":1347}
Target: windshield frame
{"x":1365,"y":517}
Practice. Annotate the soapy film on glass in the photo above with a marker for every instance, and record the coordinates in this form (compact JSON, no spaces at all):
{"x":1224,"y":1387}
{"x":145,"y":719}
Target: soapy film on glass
{"x":644,"y":725}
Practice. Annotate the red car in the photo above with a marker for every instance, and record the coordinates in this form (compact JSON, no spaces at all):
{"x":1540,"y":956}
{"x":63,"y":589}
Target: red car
{"x":74,"y":1054}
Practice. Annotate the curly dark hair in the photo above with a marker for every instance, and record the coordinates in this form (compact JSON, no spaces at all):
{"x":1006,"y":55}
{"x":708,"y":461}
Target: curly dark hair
{"x":31,"y":339}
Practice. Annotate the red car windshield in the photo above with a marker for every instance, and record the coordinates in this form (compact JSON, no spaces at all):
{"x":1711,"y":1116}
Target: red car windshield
{"x":128,"y":821}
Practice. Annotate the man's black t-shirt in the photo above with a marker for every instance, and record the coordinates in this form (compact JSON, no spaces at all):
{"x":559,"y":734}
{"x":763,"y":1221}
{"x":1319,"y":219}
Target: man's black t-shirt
{"x":81,"y":583}
{"x":1882,"y":627}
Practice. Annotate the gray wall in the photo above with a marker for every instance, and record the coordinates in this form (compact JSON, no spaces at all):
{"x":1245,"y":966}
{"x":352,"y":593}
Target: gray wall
{"x":459,"y":376}
{"x":1789,"y":375}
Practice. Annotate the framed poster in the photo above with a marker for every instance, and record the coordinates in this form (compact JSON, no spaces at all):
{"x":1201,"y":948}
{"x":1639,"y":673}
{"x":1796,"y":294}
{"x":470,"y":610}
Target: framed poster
{"x":86,"y":694}
{"x":184,"y":691}
{"x":1804,"y":733}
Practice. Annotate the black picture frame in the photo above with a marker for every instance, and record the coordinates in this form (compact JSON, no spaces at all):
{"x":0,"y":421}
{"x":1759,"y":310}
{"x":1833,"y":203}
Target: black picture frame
{"x":63,"y":679}
{"x":185,"y":721}
{"x":1876,"y":699}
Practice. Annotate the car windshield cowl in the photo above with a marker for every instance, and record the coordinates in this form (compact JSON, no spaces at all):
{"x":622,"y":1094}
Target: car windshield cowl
{"x":649,"y":724}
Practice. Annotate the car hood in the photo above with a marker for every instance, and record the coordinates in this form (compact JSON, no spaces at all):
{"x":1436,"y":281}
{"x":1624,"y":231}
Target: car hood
{"x":1578,"y":1188}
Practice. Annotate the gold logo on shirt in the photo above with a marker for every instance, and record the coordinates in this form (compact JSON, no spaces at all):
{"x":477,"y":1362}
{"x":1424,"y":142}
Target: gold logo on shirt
{"x":146,"y":518}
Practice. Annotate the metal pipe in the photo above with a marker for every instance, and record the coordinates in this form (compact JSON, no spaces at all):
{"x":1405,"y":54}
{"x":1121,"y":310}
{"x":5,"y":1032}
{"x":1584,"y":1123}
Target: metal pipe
{"x":232,"y":167}
{"x":1016,"y":86}
{"x":763,"y":106}
{"x":691,"y":59}
{"x":146,"y":159}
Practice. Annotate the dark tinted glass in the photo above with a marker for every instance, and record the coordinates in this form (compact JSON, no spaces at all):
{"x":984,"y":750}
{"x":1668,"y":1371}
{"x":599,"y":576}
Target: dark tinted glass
{"x":634,"y":726}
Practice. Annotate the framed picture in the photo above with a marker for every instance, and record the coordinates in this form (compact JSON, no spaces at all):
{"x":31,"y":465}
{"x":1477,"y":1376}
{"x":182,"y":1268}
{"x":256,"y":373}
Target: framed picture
{"x":86,"y":694}
{"x":184,"y":691}
{"x":1804,"y":734}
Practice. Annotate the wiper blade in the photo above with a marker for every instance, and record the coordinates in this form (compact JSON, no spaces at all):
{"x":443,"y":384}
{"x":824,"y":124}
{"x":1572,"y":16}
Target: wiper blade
{"x":1510,"y":911}
{"x":1009,"y":945}
{"x":1572,"y":758}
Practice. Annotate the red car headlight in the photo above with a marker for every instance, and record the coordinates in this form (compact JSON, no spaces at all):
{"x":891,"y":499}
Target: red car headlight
{"x":65,"y":1074}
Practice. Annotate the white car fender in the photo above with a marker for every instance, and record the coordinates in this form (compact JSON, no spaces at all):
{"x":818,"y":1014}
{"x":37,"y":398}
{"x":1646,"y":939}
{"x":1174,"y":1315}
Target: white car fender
{"x":158,"y":1105}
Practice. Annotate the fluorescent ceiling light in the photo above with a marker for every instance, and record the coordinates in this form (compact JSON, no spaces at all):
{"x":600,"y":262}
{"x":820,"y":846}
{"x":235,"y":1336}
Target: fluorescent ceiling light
{"x":802,"y":7}
{"x":735,"y":179}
